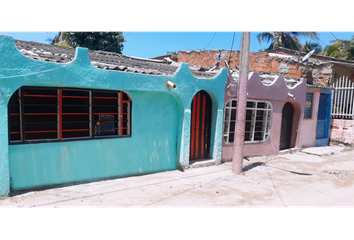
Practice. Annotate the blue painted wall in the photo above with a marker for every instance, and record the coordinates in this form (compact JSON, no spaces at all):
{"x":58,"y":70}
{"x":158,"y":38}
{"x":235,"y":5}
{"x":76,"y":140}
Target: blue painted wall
{"x":324,"y":141}
{"x":160,"y":122}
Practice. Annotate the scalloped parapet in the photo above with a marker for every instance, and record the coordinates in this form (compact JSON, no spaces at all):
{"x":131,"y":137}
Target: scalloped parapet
{"x":277,"y":90}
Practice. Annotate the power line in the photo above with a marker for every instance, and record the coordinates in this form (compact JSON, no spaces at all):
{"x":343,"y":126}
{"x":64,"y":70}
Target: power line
{"x":330,"y":36}
{"x":334,"y":36}
{"x":338,"y":40}
{"x":210,"y":40}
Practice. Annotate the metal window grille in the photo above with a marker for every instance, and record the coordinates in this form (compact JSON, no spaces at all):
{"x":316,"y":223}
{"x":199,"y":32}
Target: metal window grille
{"x":258,"y":121}
{"x":308,"y":105}
{"x":342,"y":101}
{"x":51,"y":114}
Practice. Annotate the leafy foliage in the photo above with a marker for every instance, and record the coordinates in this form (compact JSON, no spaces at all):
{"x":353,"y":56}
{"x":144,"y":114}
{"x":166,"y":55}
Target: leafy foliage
{"x":285,"y":39}
{"x":63,"y":44}
{"x":263,"y":50}
{"x":107,"y":41}
{"x":343,"y":49}
{"x":309,"y":46}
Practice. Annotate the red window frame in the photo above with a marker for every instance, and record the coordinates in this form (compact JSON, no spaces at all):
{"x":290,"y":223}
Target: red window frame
{"x":76,"y":110}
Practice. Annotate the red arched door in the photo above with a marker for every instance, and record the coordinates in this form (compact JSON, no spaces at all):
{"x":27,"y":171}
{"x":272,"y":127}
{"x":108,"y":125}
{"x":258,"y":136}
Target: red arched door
{"x":200,"y":126}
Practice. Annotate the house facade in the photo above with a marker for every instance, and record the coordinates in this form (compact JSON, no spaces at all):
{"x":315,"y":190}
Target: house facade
{"x":73,"y":115}
{"x":274,"y":114}
{"x":281,"y":65}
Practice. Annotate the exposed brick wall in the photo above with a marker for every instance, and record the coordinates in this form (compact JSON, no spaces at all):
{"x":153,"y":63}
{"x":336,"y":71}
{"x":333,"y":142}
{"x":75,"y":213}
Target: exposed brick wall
{"x":259,"y":62}
{"x":313,"y":56}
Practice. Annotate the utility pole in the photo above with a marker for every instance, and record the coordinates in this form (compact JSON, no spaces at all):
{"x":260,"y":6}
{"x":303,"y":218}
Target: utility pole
{"x":237,"y":154}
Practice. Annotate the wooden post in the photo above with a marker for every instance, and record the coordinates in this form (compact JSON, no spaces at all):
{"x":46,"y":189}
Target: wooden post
{"x":237,"y":154}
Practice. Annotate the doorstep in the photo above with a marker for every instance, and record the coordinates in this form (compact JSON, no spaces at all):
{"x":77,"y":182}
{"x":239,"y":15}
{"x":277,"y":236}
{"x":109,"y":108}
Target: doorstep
{"x":288,"y":151}
{"x":202,"y":163}
{"x":323,"y":151}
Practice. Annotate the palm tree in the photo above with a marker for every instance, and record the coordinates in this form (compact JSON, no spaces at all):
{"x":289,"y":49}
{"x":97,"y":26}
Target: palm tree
{"x":309,"y":46}
{"x":343,"y":49}
{"x":285,"y":39}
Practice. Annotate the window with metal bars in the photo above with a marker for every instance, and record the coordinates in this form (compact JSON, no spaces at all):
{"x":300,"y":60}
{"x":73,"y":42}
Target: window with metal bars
{"x":41,"y":114}
{"x":308,"y":105}
{"x":258,"y":121}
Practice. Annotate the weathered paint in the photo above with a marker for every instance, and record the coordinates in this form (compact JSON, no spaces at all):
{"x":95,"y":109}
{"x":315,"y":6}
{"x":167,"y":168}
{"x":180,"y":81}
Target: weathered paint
{"x":342,"y":130}
{"x":308,"y":133}
{"x":277,"y":94}
{"x":325,"y":140}
{"x":160,"y":122}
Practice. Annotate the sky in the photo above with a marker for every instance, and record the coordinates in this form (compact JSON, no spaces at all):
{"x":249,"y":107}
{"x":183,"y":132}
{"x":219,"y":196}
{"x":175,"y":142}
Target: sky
{"x":150,"y":44}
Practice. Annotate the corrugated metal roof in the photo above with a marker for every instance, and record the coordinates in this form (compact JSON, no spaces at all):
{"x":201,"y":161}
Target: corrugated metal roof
{"x":320,"y":86}
{"x":105,"y":60}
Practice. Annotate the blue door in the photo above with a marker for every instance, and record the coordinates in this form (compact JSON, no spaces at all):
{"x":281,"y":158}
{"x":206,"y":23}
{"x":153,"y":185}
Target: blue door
{"x":323,"y":120}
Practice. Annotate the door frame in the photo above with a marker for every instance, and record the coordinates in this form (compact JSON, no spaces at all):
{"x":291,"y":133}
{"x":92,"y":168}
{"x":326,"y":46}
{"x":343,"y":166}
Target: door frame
{"x":201,"y":126}
{"x":324,"y":141}
{"x":291,"y":128}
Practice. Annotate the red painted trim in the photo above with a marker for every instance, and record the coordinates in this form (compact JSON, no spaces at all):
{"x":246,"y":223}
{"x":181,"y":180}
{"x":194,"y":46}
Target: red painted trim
{"x":75,"y":130}
{"x":121,"y":111}
{"x":41,"y":131}
{"x":197,"y":127}
{"x":31,"y":95}
{"x":193,"y":127}
{"x":14,"y":114}
{"x":107,"y":97}
{"x":106,"y":113}
{"x":39,"y":114}
{"x":15,"y":132}
{"x":60,"y":114}
{"x":72,"y":114}
{"x":203,"y":128}
{"x":75,"y":96}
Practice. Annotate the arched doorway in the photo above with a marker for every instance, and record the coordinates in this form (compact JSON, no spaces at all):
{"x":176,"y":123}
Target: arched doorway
{"x":201,"y":110}
{"x":286,"y":126}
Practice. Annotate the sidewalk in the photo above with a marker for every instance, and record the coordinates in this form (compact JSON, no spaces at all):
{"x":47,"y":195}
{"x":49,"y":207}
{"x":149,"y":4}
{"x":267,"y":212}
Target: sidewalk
{"x":314,"y":177}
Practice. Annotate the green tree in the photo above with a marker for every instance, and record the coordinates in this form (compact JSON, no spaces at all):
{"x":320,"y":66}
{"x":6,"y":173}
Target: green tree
{"x":343,"y":49}
{"x":309,"y":46}
{"x":107,"y":41}
{"x":263,"y":50}
{"x":285,"y":39}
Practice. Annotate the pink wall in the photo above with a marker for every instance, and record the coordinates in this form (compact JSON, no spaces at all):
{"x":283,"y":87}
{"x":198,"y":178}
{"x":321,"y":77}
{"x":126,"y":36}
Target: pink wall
{"x":308,"y":128}
{"x":277,"y":94}
{"x":342,"y":130}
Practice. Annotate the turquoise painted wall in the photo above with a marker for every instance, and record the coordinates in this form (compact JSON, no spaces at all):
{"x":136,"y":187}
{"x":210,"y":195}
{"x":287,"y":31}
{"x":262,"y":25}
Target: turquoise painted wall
{"x":160,"y":122}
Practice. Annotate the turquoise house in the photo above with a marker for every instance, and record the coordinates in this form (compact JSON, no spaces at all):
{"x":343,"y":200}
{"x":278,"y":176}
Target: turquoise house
{"x":74,"y":115}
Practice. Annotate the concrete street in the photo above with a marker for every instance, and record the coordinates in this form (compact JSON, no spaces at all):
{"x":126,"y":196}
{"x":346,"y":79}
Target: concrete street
{"x":321,"y":176}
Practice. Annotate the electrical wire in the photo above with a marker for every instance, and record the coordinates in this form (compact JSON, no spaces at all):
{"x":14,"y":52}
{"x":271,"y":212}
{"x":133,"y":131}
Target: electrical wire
{"x":210,"y":41}
{"x":334,"y":36}
{"x":338,"y":40}
{"x":67,"y":65}
{"x":232,"y":44}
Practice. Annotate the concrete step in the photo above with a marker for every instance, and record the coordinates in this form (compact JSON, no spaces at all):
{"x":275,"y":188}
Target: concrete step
{"x":202,"y":163}
{"x":323,"y":151}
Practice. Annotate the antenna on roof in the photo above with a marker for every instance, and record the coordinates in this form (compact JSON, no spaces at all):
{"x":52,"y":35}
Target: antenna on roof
{"x":307,"y":56}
